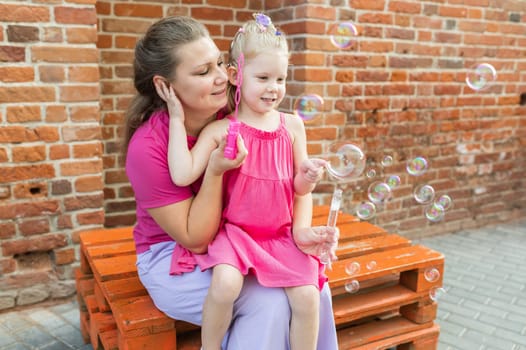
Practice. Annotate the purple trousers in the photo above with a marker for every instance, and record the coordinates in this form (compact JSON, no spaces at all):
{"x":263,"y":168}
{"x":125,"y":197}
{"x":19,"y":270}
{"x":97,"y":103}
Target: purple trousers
{"x":261,"y":315}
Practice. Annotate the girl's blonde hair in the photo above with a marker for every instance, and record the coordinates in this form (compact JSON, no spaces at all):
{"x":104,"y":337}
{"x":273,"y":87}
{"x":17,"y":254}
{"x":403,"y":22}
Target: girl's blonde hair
{"x":254,"y":37}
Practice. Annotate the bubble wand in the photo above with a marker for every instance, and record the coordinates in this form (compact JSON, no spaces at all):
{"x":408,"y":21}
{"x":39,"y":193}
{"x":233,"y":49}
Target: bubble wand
{"x":349,"y":164}
{"x":331,"y":222}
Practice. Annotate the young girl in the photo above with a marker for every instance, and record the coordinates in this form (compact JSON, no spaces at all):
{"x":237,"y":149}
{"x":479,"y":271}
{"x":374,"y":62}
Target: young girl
{"x":255,"y":236}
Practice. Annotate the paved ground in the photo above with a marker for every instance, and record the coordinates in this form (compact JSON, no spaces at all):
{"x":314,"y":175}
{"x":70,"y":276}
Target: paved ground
{"x":484,"y":306}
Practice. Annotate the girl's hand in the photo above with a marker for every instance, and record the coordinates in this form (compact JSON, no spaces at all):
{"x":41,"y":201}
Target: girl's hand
{"x":167,"y":93}
{"x":317,"y":240}
{"x":312,"y":169}
{"x":218,"y":164}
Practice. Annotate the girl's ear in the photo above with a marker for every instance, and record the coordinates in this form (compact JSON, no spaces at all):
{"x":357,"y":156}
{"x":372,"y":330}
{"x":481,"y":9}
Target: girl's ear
{"x":232,"y":75}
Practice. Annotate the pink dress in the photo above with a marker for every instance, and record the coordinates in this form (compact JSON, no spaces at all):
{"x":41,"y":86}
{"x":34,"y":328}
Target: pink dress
{"x":255,"y":234}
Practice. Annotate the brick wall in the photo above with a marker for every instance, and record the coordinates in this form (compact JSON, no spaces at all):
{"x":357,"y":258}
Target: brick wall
{"x":65,"y":81}
{"x":50,"y":151}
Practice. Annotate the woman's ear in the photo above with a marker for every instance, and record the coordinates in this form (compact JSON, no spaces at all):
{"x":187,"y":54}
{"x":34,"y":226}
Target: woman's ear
{"x":158,"y":80}
{"x":232,"y":75}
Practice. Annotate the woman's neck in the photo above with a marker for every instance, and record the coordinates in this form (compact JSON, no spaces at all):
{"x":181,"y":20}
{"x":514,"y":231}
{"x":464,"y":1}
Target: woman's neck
{"x":194,"y":125}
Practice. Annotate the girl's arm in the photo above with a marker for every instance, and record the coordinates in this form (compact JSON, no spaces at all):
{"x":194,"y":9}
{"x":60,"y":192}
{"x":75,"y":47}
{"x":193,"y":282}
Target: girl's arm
{"x":194,"y":222}
{"x":185,"y":166}
{"x":307,"y":171}
{"x":311,"y":240}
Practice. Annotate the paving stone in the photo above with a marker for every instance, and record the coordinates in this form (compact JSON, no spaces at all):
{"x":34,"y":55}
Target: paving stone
{"x":458,"y":343}
{"x":491,"y":341}
{"x":34,"y":336}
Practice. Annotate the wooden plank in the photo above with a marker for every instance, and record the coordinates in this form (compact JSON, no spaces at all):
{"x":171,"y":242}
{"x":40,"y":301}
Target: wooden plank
{"x":350,"y":308}
{"x":374,"y":331}
{"x":123,"y":289}
{"x":109,"y":339}
{"x":104,"y":235}
{"x":321,"y":214}
{"x":160,"y":341}
{"x":100,"y":322}
{"x":421,"y":339}
{"x":359,"y":230}
{"x":369,"y":245}
{"x":387,"y":262}
{"x":115,"y":268}
{"x":138,"y":316}
{"x":110,"y":249}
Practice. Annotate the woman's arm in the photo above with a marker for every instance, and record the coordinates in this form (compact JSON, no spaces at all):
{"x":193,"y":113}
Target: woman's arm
{"x":194,"y":222}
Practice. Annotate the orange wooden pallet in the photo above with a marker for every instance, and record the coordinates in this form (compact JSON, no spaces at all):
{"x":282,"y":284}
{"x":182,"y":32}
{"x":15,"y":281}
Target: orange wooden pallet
{"x":392,"y":306}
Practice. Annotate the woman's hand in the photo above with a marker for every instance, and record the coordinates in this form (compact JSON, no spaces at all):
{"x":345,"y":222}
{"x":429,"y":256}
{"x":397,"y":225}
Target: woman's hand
{"x":167,"y":93}
{"x":317,"y":240}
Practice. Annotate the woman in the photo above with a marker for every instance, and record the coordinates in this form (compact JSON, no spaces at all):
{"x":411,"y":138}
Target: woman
{"x":180,"y":51}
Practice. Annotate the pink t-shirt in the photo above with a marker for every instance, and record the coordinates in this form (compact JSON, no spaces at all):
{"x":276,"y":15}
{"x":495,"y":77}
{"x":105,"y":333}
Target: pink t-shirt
{"x":147,"y":170}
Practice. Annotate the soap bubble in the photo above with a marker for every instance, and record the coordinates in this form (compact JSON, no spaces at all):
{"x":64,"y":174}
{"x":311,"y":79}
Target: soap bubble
{"x":352,"y":286}
{"x":378,"y":192}
{"x":435,"y":212}
{"x":371,"y":265}
{"x":436,"y":293}
{"x":371,"y":173}
{"x":343,"y":35}
{"x":417,"y":166}
{"x":352,"y":268}
{"x":432,"y":274}
{"x":365,"y":210}
{"x":424,"y":194}
{"x":387,"y":161}
{"x":393,"y":181}
{"x":346,"y":161}
{"x":308,"y":107}
{"x":481,"y":76}
{"x":444,"y":201}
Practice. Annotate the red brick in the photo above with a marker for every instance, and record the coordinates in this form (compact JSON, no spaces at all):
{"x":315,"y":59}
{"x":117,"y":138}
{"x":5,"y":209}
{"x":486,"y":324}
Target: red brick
{"x":89,"y":184}
{"x":64,"y":54}
{"x":26,"y":172}
{"x":23,"y":114}
{"x":81,"y":35}
{"x":75,"y":15}
{"x":32,"y":227}
{"x":7,"y":230}
{"x":23,"y":13}
{"x":368,"y":5}
{"x":23,"y":154}
{"x":35,"y":244}
{"x":27,"y":94}
{"x":64,"y":256}
{"x":52,"y":74}
{"x":137,"y":10}
{"x":30,"y":190}
{"x":17,"y":74}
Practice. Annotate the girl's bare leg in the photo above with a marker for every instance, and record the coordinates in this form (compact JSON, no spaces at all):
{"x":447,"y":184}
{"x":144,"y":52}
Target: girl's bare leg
{"x":305,"y":306}
{"x":217,"y":310}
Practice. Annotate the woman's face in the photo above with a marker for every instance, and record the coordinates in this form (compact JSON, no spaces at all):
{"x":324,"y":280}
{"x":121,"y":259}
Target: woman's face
{"x":200,"y":79}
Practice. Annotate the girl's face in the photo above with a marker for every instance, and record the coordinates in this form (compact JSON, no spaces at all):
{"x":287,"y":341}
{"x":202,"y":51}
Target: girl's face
{"x":200,"y":79}
{"x":264,"y":78}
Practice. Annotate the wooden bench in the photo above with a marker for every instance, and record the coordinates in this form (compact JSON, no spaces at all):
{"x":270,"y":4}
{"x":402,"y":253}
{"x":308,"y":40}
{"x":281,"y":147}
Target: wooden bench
{"x":392,"y":306}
